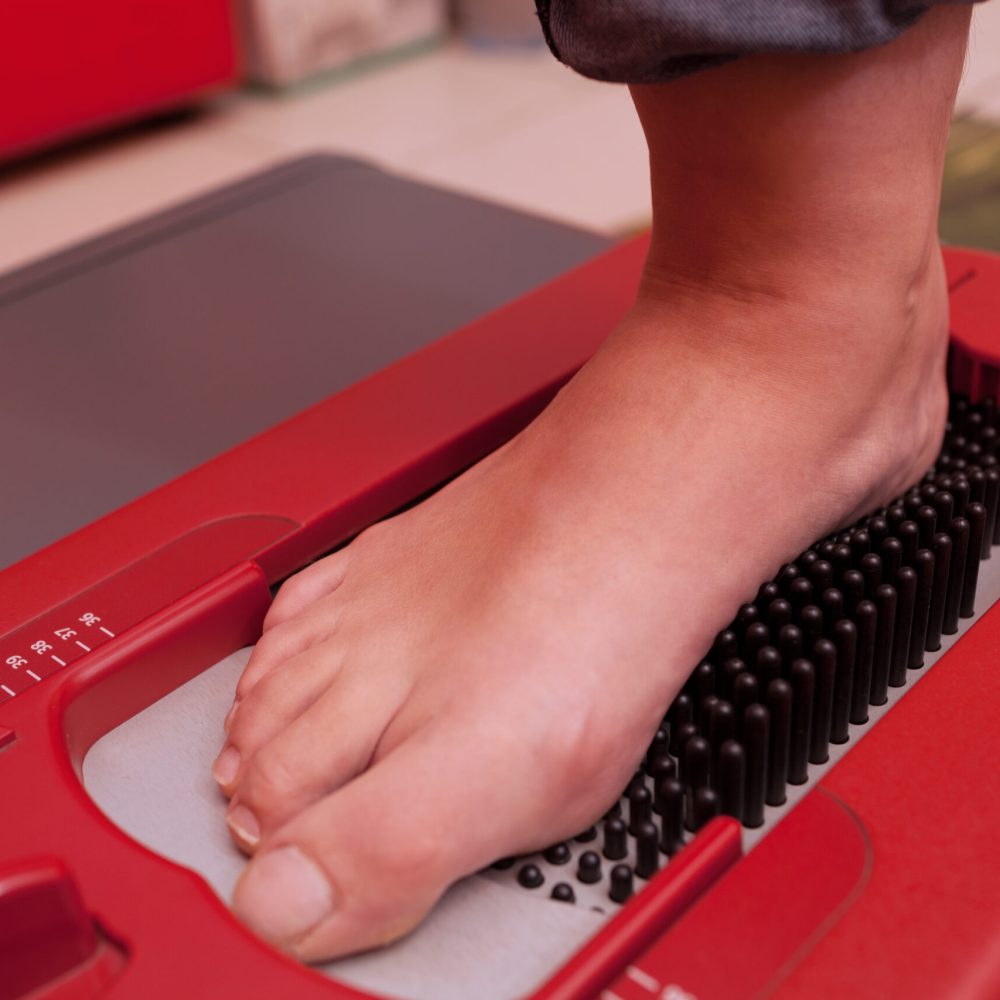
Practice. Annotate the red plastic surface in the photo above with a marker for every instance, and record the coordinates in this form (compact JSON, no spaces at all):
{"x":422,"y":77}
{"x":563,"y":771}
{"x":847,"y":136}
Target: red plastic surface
{"x":68,"y":67}
{"x":635,"y":927}
{"x":883,"y":880}
{"x":923,"y":785}
{"x":782,"y":897}
{"x":975,"y":301}
{"x":44,"y":929}
{"x":95,"y":616}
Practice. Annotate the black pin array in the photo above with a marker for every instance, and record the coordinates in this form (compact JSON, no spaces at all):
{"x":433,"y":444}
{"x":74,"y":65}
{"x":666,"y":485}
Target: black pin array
{"x":823,"y":641}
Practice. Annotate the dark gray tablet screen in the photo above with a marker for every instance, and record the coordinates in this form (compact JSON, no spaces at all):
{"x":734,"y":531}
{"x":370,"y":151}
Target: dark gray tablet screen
{"x":132,"y":359}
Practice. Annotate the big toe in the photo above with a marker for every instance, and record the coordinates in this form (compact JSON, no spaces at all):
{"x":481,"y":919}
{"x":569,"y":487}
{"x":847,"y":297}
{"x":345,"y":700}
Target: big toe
{"x":362,"y":866}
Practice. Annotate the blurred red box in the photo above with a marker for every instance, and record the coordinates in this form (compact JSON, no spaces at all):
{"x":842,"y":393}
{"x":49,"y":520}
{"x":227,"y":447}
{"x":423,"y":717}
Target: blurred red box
{"x":68,"y":67}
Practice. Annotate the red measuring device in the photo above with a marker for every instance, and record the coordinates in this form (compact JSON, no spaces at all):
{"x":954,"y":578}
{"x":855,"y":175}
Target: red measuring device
{"x":881,"y":882}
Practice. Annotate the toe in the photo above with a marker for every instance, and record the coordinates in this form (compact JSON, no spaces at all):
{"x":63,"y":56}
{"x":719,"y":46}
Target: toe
{"x":280,"y":644}
{"x":306,"y":588}
{"x":272,"y":705}
{"x":330,"y":743}
{"x":363,"y":865}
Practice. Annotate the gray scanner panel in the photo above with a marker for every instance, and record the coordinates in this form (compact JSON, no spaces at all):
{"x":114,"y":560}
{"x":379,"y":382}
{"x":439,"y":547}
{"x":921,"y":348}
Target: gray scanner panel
{"x":135,"y":357}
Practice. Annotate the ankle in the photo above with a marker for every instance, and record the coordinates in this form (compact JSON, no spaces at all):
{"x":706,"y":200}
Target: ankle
{"x":821,"y":330}
{"x":851,"y":375}
{"x":804,"y":179}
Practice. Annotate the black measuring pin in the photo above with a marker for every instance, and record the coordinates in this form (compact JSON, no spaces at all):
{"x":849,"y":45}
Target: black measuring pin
{"x":867,"y":621}
{"x":924,"y":565}
{"x":885,"y":603}
{"x":906,"y":596}
{"x":731,"y":778}
{"x":803,"y":680}
{"x":756,"y":735}
{"x":845,"y":639}
{"x":671,"y":796}
{"x":942,"y":549}
{"x":825,"y":666}
{"x":975,"y":514}
{"x":959,"y":532}
{"x":779,"y":707}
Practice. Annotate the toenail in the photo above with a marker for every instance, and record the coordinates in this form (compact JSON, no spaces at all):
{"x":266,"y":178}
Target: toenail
{"x":283,"y":895}
{"x":244,"y":825}
{"x":226,"y":765}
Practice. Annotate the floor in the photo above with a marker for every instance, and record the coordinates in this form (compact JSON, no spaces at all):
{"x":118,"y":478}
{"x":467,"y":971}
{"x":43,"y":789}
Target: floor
{"x":511,"y":126}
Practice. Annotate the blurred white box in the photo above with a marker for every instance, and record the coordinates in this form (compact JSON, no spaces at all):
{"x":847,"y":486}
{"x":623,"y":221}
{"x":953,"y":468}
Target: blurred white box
{"x":289,"y":40}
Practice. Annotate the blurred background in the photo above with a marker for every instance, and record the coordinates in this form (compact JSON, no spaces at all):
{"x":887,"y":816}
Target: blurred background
{"x":119,"y":109}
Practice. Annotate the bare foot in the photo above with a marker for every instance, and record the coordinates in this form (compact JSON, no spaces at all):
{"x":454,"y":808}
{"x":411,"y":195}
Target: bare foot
{"x":479,"y":676}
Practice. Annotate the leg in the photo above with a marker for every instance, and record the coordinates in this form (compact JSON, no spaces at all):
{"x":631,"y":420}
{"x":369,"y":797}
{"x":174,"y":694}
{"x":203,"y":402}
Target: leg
{"x":480,"y":675}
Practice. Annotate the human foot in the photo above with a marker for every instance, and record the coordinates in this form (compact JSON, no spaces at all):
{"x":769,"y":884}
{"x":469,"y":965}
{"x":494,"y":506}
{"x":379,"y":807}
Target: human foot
{"x":479,"y":676}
